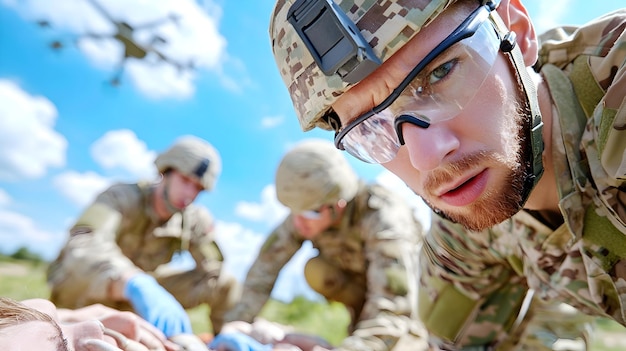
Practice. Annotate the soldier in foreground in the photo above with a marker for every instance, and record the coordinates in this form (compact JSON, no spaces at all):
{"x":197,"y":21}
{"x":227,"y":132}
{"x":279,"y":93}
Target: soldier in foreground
{"x":517,"y":144}
{"x":367,"y":241}
{"x":119,"y":241}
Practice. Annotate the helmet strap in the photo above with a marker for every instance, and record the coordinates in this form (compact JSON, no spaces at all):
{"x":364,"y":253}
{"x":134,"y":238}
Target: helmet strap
{"x":534,"y":125}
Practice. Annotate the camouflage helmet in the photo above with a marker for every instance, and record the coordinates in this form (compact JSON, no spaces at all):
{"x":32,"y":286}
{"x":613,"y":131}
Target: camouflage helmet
{"x":193,"y":157}
{"x":386,"y":25}
{"x":312,"y":174}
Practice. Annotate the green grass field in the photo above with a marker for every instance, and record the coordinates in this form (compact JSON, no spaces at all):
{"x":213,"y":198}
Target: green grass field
{"x":21,"y":279}
{"x":25,"y":279}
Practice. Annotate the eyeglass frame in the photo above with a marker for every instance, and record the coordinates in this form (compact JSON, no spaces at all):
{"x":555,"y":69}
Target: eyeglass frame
{"x":466,"y":29}
{"x":313,"y":214}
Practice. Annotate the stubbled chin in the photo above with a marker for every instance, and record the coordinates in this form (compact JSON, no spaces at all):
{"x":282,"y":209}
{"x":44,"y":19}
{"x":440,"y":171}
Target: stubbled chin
{"x":478,"y":220}
{"x":483,"y":214}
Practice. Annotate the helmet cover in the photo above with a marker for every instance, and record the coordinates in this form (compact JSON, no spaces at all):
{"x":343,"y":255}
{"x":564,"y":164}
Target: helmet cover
{"x":387,"y":25}
{"x":312,"y":174}
{"x":193,"y":157}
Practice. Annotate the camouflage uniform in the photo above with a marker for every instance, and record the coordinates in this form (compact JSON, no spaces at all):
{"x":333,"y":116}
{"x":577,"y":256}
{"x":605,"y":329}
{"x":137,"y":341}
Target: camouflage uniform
{"x":582,"y":261}
{"x":375,"y":245}
{"x":474,"y":284}
{"x":120,"y":233}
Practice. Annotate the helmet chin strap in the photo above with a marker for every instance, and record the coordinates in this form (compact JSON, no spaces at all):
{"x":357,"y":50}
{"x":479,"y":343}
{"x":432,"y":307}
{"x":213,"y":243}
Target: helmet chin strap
{"x":533,"y":126}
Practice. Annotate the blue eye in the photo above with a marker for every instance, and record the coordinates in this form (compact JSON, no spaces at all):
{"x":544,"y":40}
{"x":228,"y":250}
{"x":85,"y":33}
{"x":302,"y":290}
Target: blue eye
{"x":441,"y":71}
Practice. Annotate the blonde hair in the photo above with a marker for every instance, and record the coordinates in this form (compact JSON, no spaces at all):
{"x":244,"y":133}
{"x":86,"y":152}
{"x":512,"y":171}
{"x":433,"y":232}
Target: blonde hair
{"x":14,"y":313}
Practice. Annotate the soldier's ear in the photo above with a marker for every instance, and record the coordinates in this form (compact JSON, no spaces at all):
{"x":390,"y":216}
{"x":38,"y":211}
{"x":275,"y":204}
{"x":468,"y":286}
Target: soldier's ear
{"x":516,"y":17}
{"x":342,"y":203}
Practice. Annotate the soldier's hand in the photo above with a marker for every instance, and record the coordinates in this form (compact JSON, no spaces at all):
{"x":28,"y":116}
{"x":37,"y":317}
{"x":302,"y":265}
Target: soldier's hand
{"x":156,"y":305}
{"x":237,"y":342}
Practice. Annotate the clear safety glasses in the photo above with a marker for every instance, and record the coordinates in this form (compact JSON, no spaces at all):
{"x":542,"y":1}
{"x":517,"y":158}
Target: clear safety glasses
{"x":435,"y":90}
{"x":312,"y":214}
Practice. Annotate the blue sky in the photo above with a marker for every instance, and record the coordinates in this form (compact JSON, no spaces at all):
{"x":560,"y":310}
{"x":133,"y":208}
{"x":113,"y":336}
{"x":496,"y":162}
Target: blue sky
{"x":66,"y":132}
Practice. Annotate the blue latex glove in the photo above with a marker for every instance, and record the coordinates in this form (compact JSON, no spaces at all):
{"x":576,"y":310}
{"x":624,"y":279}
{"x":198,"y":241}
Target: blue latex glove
{"x":156,"y":305}
{"x":237,"y":342}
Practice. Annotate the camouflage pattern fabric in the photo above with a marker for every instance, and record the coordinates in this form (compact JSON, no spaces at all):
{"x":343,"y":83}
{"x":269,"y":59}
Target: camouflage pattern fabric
{"x":120,"y":233}
{"x":376,"y":241}
{"x":396,"y":23}
{"x":193,"y":157}
{"x":551,"y":326}
{"x":582,"y":262}
{"x":313,"y":174}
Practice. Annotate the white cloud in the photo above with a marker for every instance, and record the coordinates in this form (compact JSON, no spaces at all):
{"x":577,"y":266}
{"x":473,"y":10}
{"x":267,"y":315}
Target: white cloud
{"x":271,"y":121}
{"x":269,"y":210}
{"x":164,"y":46}
{"x":80,"y":188}
{"x":17,"y":230}
{"x":122,"y":149}
{"x":5,"y":198}
{"x":29,"y":145}
{"x":104,"y":54}
{"x":171,"y":81}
